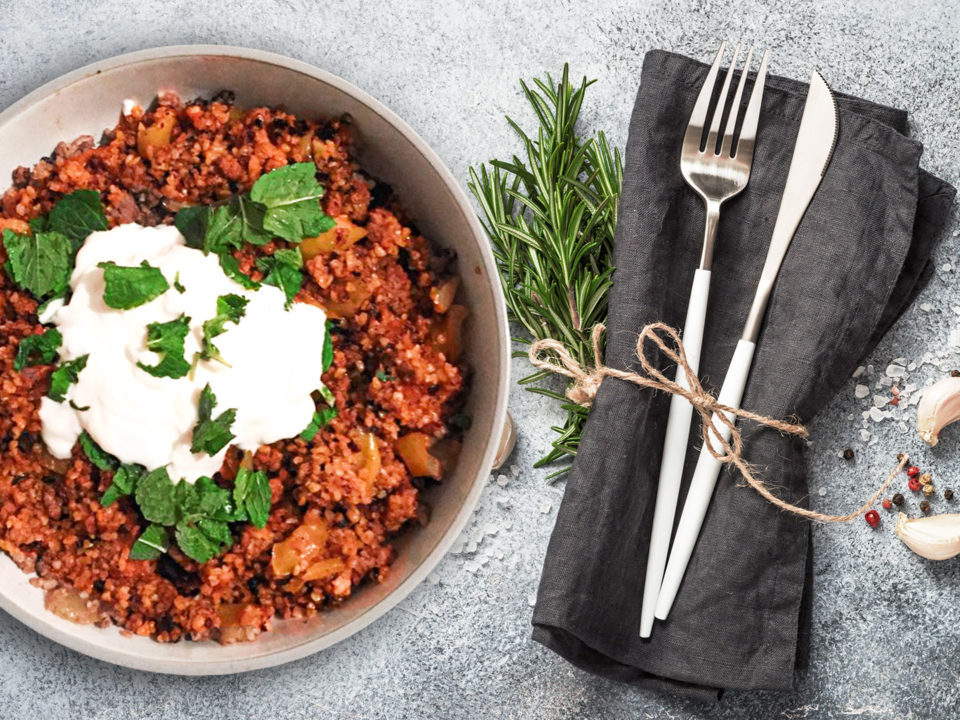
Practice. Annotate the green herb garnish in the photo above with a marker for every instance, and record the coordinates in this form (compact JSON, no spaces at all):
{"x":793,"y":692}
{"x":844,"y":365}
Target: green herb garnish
{"x":230,"y":308}
{"x":251,"y":493}
{"x":211,"y":435}
{"x":97,"y":455}
{"x":550,"y":217}
{"x":40,"y":263}
{"x":327,"y":356}
{"x":156,"y":497}
{"x":192,"y":224}
{"x":282,"y":269}
{"x":320,"y":418}
{"x":78,"y":214}
{"x":177,"y":285}
{"x":63,"y":376}
{"x":125,"y":481}
{"x":383,"y":377}
{"x":290,"y":196}
{"x":127,"y":287}
{"x":37,"y":349}
{"x":152,"y":543}
{"x":166,"y":340}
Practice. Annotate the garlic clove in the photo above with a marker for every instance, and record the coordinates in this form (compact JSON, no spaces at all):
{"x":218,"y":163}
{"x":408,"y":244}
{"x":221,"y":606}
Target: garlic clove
{"x":936,"y":537}
{"x":939,"y":406}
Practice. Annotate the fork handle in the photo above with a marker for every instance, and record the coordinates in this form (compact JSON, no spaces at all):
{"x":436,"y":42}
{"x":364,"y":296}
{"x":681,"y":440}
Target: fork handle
{"x":703,"y":482}
{"x":674,"y":452}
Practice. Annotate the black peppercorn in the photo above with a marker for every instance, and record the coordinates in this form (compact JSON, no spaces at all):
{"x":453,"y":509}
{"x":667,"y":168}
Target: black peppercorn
{"x":948,"y":494}
{"x":925,"y":506}
{"x":955,"y":373}
{"x":898,"y":499}
{"x":848,"y":454}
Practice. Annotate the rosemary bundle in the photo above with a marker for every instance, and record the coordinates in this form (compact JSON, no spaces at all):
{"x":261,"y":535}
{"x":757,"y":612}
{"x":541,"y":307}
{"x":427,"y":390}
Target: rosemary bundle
{"x":550,"y":216}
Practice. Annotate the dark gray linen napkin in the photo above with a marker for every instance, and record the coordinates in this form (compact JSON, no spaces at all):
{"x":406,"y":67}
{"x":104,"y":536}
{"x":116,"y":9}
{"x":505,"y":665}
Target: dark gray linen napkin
{"x":858,"y":258}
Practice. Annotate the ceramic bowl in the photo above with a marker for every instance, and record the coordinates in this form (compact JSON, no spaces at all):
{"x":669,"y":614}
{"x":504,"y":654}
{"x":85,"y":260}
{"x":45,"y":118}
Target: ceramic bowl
{"x":87,"y":101}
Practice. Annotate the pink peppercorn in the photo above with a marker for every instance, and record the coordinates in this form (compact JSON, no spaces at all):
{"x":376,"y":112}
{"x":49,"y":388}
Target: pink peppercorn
{"x":872,"y":517}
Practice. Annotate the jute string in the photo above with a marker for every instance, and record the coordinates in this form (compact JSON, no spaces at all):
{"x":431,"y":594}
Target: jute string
{"x":587,"y":379}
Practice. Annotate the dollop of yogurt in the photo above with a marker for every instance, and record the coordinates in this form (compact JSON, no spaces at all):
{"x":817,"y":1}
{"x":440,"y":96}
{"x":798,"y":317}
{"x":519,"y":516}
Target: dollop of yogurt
{"x":275,"y":357}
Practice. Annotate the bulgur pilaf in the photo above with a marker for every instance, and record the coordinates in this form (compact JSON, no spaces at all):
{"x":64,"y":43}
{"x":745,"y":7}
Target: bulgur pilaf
{"x":397,"y":380}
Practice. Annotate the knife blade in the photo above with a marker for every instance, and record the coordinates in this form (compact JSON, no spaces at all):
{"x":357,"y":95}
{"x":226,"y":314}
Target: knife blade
{"x":816,"y":139}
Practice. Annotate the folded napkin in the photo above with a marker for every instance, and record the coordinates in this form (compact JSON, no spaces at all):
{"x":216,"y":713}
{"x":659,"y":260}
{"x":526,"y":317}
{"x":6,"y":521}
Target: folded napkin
{"x":860,"y":255}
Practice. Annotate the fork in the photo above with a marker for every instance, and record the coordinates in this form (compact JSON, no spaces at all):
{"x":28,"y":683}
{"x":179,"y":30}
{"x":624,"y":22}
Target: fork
{"x":716,"y":176}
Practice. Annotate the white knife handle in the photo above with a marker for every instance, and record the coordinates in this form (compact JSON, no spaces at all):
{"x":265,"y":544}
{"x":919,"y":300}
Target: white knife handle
{"x":704,"y":480}
{"x":674,"y":452}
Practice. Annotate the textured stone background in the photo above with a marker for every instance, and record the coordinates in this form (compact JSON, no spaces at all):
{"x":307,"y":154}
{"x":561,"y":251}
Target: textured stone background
{"x":885,"y":624}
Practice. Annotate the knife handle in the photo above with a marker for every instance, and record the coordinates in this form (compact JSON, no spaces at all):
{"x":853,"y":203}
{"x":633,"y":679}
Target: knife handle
{"x":703,"y":482}
{"x":674,"y":452}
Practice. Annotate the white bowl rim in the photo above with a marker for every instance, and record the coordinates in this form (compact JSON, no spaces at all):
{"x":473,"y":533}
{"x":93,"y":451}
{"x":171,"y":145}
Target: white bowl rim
{"x":117,"y":655}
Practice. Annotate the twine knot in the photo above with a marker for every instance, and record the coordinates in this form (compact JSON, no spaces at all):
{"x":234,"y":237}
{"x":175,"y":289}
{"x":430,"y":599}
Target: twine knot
{"x":586,"y":381}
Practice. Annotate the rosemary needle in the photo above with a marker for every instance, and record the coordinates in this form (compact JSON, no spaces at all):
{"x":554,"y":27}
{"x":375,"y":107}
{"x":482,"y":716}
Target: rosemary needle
{"x":550,"y":216}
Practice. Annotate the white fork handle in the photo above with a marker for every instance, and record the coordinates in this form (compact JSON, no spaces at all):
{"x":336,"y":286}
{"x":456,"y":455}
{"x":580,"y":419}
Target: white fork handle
{"x":703,"y":483}
{"x":674,"y":452}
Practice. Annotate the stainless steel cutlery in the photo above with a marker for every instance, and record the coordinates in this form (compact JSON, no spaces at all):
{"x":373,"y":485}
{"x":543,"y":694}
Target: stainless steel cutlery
{"x":717,"y":169}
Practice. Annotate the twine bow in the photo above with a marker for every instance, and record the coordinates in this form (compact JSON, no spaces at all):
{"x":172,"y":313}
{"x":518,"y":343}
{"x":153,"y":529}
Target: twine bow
{"x":587,"y":379}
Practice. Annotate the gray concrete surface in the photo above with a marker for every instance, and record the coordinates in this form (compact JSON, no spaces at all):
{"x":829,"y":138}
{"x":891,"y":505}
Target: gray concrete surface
{"x":886,"y":625}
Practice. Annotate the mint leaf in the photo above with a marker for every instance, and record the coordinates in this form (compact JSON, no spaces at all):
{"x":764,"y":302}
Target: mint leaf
{"x":153,"y":542}
{"x":290,"y":195}
{"x":40,"y":224}
{"x":230,"y":308}
{"x":37,"y":349}
{"x":124,"y":482}
{"x":166,"y":339}
{"x":320,"y":418}
{"x":251,"y":221}
{"x":96,"y":454}
{"x":63,"y":376}
{"x":192,"y":224}
{"x":382,"y":376}
{"x":326,"y":394}
{"x":216,"y":502}
{"x":39,"y":263}
{"x":231,"y":268}
{"x":282,"y":270}
{"x":211,"y":435}
{"x":177,"y":285}
{"x":196,"y":544}
{"x":78,"y":214}
{"x":327,"y":357}
{"x":155,"y":496}
{"x":230,"y":226}
{"x":251,"y":492}
{"x":129,"y":287}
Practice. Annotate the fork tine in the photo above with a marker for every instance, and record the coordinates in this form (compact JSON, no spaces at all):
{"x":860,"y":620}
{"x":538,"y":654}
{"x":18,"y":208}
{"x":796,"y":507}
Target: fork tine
{"x":752,"y":116}
{"x":735,"y":106}
{"x":698,"y":118}
{"x":711,"y":146}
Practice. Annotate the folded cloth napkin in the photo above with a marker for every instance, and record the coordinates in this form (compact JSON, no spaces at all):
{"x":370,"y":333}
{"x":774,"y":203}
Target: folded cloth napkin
{"x":860,"y":255}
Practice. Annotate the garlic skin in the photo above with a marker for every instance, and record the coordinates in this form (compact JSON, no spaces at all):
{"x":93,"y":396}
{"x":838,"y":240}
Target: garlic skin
{"x":936,"y":537}
{"x":939,"y":406}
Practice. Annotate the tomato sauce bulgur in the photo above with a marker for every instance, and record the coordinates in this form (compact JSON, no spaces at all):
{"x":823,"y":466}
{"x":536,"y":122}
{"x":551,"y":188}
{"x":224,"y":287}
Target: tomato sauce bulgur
{"x":338,"y":499}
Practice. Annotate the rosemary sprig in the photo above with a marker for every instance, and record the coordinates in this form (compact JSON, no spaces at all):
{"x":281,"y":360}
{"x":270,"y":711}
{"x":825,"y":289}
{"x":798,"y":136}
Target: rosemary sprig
{"x":550,"y":217}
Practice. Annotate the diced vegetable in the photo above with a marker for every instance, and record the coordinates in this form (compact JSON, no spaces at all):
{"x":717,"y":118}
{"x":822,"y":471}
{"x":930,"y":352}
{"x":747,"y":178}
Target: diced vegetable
{"x":448,"y":333}
{"x":414,"y":450}
{"x":68,"y":604}
{"x":340,"y":237}
{"x":235,"y":614}
{"x":302,"y":546}
{"x":369,"y":458}
{"x":324,"y":569}
{"x":443,"y":294}
{"x":157,"y":135}
{"x":357,"y":296}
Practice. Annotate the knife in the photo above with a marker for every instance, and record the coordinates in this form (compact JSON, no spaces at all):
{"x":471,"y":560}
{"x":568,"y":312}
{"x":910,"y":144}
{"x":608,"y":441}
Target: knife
{"x":816,"y":139}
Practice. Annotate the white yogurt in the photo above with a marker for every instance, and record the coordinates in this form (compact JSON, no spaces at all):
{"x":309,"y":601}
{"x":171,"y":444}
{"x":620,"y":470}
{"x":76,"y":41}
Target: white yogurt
{"x":275,"y":354}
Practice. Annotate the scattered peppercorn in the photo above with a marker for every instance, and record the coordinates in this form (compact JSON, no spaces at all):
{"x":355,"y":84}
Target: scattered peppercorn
{"x":901,"y":457}
{"x":928,"y":490}
{"x":925,"y":479}
{"x":913,"y":484}
{"x":955,"y":373}
{"x":848,"y":454}
{"x":925,"y":506}
{"x":913,"y":471}
{"x":948,"y":494}
{"x":898,"y":499}
{"x":872,"y":517}
{"x":887,"y":504}
{"x":895,"y":401}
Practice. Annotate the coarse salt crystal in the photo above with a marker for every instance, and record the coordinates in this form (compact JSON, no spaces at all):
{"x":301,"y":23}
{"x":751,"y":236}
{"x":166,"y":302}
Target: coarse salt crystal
{"x":865,"y":435}
{"x":490,"y":528}
{"x":858,"y":372}
{"x":546,"y":506}
{"x":895,"y":370}
{"x":880,"y":400}
{"x":861,"y":391}
{"x":946,"y":267}
{"x":515,"y":470}
{"x":911,"y":367}
{"x":502,"y":480}
{"x":532,"y":599}
{"x":926,"y":307}
{"x":876,"y":414}
{"x":822,"y":491}
{"x":433,"y":579}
